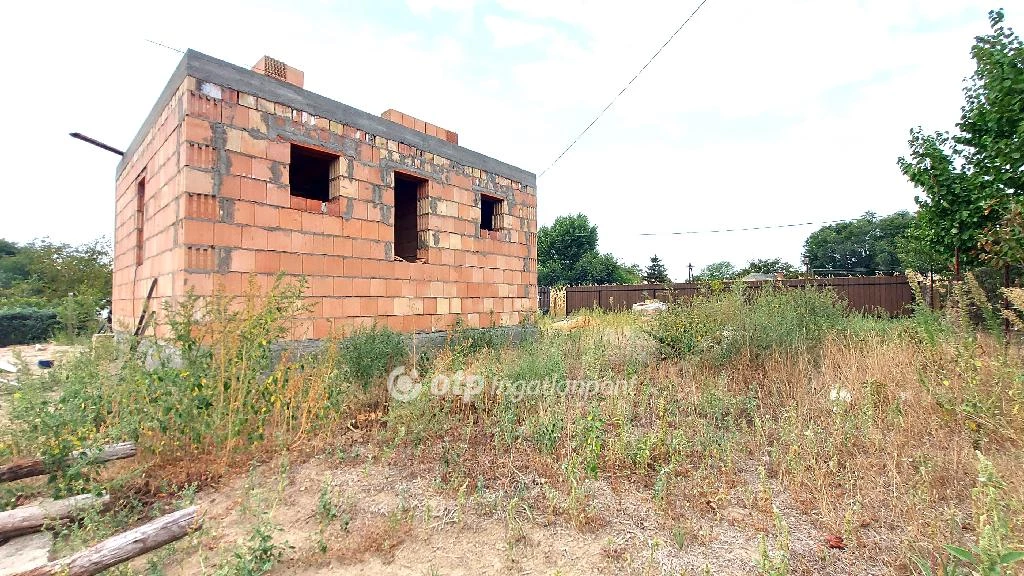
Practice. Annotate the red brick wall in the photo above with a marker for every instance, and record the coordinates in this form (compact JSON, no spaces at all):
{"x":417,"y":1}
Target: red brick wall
{"x":225,"y":214}
{"x":157,"y":162}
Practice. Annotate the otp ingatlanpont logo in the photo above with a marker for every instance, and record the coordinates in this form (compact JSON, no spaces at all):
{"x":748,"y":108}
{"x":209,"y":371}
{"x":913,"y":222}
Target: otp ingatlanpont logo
{"x":403,"y":387}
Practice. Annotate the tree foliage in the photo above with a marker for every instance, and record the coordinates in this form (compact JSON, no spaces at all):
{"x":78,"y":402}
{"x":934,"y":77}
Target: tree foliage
{"x":51,"y":271}
{"x":973,"y":181}
{"x":1003,"y":244}
{"x":954,"y":209}
{"x":47,"y":280}
{"x":716,"y":271}
{"x":567,"y":254}
{"x":768,"y":266}
{"x":865,"y":246}
{"x":992,"y":118}
{"x":656,"y":273}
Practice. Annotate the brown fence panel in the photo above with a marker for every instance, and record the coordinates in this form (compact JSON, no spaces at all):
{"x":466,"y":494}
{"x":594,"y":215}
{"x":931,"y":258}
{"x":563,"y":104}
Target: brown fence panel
{"x":890,"y":295}
{"x":544,"y":299}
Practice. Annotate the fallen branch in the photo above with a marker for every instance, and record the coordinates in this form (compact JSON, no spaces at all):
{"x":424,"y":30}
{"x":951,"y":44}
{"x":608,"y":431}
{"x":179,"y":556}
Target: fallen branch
{"x":36,"y":466}
{"x":28,"y":519}
{"x":123,"y":547}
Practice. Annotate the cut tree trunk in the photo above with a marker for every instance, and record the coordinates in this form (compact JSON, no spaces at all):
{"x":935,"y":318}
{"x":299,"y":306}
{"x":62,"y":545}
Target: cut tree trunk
{"x":27,"y":519}
{"x":36,"y":466}
{"x":123,"y":547}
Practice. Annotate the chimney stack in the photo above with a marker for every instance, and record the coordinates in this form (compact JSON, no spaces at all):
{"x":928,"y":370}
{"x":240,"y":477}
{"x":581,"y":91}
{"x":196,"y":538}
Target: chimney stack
{"x":279,"y":70}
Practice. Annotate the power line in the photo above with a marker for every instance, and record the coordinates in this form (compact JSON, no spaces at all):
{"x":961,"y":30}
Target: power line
{"x":626,"y":87}
{"x":165,"y":46}
{"x":749,"y":228}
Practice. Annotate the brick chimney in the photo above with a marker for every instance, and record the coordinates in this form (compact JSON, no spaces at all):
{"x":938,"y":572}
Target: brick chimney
{"x":419,"y":125}
{"x":277,"y":69}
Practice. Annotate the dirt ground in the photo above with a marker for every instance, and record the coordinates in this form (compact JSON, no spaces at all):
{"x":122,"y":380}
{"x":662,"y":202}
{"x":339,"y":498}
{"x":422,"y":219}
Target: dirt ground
{"x":28,"y":355}
{"x":25,"y":357}
{"x":393,"y":515}
{"x":394,"y":522}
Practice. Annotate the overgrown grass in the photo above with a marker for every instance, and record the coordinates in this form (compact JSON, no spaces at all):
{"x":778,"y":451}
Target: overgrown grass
{"x":869,"y":423}
{"x":370,"y":352}
{"x":872,"y":428}
{"x":720,"y":324}
{"x":214,"y":394}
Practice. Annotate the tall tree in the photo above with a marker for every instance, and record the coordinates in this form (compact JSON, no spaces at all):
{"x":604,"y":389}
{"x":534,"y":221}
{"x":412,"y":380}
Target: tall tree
{"x":51,"y":271}
{"x":955,"y":208}
{"x":992,"y":130}
{"x":656,"y":272}
{"x":972,"y":180}
{"x":992,"y":118}
{"x":768,"y":266}
{"x":567,"y":254}
{"x":716,"y":271}
{"x":865,"y":246}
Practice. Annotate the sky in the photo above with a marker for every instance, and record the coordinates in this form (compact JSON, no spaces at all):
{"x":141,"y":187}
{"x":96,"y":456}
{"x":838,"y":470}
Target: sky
{"x":758,"y":113}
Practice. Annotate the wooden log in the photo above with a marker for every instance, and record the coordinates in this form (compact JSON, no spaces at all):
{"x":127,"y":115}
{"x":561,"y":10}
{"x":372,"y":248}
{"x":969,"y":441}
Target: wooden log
{"x":27,"y":519}
{"x":123,"y":547}
{"x":36,"y":466}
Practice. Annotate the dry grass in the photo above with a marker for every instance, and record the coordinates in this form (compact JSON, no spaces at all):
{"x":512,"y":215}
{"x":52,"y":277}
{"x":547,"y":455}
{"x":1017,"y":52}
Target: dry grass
{"x":872,"y":434}
{"x":775,"y":418}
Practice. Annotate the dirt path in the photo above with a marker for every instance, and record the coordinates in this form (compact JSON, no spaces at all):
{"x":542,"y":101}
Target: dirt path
{"x":389,"y":522}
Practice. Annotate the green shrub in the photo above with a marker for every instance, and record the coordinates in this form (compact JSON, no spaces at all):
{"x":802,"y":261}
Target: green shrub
{"x":468,"y":341}
{"x":26,"y":325}
{"x":369,"y":354}
{"x":217,"y":389}
{"x":78,"y":315}
{"x":720,"y":324}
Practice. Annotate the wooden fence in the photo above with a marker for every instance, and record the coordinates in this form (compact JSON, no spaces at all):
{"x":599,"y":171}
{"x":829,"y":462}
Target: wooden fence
{"x":544,"y":299}
{"x":877,"y":294}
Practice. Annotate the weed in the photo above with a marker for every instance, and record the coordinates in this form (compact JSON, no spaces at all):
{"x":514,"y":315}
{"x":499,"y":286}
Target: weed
{"x":858,"y":419}
{"x":775,"y":563}
{"x":679,"y":537}
{"x":718,"y":325}
{"x":257,"y":556}
{"x":326,"y":513}
{"x":993,"y":554}
{"x":370,"y":353}
{"x":547,"y":431}
{"x":326,"y":509}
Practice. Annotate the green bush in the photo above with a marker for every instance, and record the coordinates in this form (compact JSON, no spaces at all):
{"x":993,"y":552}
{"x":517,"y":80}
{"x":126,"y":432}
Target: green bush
{"x":370,"y":353}
{"x":78,"y":314}
{"x":26,"y":325}
{"x":720,"y":324}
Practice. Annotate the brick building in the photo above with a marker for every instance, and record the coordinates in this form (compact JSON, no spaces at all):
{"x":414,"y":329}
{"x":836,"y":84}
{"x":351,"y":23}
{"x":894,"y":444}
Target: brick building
{"x":240,"y":174}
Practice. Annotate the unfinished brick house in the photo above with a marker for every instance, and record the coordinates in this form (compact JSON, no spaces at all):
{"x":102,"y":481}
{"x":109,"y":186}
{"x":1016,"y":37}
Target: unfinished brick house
{"x":240,"y":174}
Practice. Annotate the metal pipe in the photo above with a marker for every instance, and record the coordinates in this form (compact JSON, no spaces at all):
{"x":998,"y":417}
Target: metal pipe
{"x":97,"y":143}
